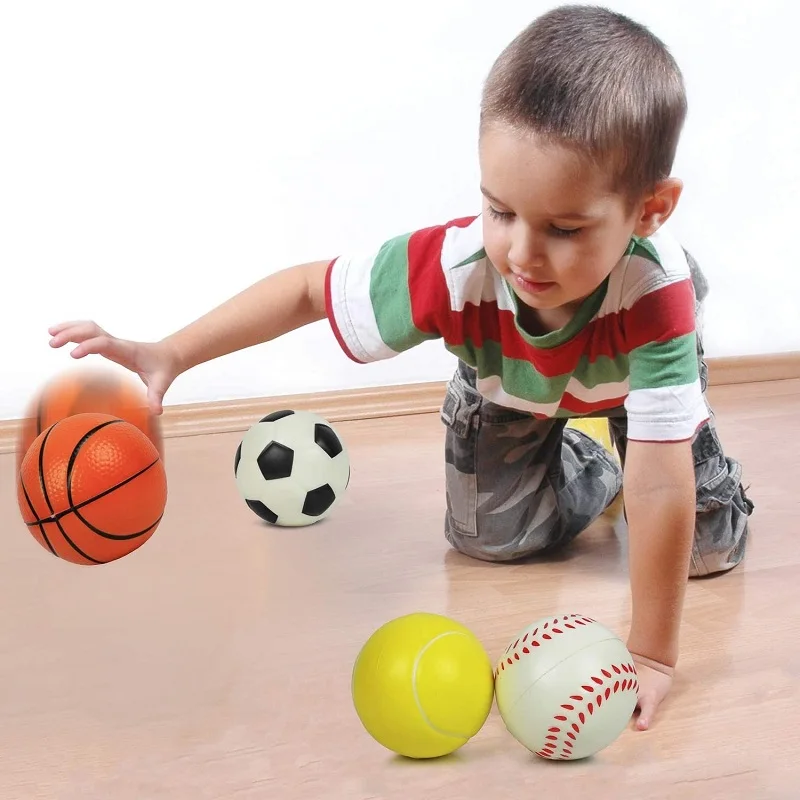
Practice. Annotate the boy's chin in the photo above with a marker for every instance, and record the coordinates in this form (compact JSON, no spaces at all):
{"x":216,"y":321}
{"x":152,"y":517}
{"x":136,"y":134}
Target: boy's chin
{"x":546,"y":301}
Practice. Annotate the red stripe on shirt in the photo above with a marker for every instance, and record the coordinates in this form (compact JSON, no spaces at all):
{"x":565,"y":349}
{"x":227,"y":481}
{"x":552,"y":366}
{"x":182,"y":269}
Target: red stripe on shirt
{"x":659,"y":316}
{"x":427,"y":287}
{"x":576,"y":406}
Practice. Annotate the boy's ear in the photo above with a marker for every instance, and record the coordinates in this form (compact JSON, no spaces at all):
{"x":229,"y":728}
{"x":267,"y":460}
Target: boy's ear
{"x":658,"y":207}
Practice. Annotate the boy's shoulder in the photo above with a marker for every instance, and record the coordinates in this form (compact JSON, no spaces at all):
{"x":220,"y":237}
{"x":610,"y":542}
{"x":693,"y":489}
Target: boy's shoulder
{"x":455,"y":251}
{"x":650,"y":265}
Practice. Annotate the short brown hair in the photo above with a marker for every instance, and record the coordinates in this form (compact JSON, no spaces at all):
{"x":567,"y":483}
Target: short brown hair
{"x":598,"y":82}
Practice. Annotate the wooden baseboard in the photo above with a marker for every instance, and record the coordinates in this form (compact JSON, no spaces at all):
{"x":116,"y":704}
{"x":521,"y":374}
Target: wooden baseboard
{"x":729,"y":370}
{"x":193,"y":419}
{"x":336,"y":406}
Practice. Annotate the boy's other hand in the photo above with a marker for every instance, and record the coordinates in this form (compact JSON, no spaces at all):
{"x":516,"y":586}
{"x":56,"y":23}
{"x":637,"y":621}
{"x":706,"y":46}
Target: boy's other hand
{"x":655,"y":682}
{"x":154,"y":362}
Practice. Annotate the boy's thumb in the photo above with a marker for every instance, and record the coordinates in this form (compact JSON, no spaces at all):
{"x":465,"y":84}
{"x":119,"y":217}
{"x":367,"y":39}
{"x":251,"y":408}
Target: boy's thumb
{"x":155,"y":400}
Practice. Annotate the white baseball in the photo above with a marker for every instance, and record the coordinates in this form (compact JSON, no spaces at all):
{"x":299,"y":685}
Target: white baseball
{"x":566,"y":687}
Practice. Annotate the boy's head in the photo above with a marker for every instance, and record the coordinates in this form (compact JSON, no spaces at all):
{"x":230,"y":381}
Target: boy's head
{"x":581,"y":114}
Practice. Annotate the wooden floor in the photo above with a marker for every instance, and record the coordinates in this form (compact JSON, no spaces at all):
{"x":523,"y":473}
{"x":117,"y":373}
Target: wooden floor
{"x":215,"y":662}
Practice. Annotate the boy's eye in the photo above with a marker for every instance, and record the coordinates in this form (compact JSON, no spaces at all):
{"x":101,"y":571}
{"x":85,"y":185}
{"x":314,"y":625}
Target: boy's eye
{"x":500,"y":215}
{"x":565,"y":231}
{"x":505,"y":216}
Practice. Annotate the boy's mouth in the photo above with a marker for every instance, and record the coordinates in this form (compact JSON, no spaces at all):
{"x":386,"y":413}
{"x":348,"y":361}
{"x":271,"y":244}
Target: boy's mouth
{"x":532,"y":287}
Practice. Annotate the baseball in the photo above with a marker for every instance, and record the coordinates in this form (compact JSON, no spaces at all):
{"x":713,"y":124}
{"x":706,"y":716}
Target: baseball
{"x":566,"y":687}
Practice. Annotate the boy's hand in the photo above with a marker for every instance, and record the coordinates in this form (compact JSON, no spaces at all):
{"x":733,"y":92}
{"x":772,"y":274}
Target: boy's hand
{"x":155,"y":363}
{"x":655,"y":682}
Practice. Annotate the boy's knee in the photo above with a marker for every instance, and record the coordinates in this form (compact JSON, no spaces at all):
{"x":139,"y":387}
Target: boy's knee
{"x":721,"y":532}
{"x":493,"y":537}
{"x":502,"y":523}
{"x":722,"y":508}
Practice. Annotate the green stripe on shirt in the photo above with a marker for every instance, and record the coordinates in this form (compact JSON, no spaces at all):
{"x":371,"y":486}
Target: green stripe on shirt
{"x":660,"y":364}
{"x":523,"y":380}
{"x":390,"y":296}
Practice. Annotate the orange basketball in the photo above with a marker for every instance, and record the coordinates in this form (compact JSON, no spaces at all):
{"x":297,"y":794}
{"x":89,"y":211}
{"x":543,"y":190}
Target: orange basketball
{"x":89,"y":390}
{"x":92,"y":488}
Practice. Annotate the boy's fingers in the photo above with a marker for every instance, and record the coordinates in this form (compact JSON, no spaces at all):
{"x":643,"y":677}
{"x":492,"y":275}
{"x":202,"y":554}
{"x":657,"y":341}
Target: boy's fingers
{"x":155,"y":397}
{"x":75,"y":332}
{"x":106,"y":346}
{"x":53,"y":330}
{"x":647,"y":708}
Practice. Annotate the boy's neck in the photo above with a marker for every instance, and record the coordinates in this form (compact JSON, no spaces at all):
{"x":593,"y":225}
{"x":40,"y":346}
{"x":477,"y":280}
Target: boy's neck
{"x":543,"y":321}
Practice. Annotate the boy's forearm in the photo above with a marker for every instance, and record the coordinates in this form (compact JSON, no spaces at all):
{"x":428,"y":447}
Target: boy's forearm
{"x":660,"y":505}
{"x":273,"y":306}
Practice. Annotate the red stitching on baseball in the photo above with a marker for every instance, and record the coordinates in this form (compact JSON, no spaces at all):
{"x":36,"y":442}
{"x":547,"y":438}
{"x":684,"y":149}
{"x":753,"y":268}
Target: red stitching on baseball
{"x":577,"y":618}
{"x":551,"y":744}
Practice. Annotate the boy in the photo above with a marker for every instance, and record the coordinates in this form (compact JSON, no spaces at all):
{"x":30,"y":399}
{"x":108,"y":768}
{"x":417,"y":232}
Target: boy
{"x":564,"y":297}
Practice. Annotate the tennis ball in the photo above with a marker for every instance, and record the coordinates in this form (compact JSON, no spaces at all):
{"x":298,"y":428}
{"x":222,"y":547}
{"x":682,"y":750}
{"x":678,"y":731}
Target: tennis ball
{"x":597,"y":428}
{"x":422,"y":685}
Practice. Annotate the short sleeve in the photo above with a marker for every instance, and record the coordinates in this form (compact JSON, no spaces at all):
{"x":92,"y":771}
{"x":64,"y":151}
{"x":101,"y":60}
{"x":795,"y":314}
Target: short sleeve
{"x":665,"y":399}
{"x":383,"y":303}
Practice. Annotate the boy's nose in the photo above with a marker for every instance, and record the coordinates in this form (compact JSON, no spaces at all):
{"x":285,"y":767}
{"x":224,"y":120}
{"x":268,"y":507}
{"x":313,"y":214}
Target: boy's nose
{"x":526,"y":254}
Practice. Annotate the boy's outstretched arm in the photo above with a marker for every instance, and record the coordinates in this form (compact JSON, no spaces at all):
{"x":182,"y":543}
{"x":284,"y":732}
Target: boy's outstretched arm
{"x":275,"y":305}
{"x":659,"y":491}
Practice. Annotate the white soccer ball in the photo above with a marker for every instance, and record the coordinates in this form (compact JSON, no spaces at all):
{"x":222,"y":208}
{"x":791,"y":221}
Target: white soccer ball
{"x":566,"y":687}
{"x":291,"y":468}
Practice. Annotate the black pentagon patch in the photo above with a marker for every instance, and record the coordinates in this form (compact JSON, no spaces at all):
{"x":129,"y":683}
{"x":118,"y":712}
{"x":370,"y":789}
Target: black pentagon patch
{"x":237,"y":458}
{"x":276,"y":461}
{"x":327,"y":440}
{"x":318,"y":501}
{"x":259,"y":508}
{"x":275,"y":415}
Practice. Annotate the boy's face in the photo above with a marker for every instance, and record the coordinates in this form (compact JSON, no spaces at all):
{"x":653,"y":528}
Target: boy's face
{"x":551,"y":226}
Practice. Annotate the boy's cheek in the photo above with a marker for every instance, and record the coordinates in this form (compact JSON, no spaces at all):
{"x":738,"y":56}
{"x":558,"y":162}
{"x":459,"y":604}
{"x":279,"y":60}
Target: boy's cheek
{"x":495,"y":252}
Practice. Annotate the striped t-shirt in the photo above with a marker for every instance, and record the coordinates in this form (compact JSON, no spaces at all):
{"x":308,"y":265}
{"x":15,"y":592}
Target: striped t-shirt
{"x":631,"y":343}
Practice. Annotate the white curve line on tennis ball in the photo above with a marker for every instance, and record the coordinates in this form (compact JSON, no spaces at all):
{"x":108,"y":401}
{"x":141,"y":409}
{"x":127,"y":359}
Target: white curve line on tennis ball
{"x":421,"y":710}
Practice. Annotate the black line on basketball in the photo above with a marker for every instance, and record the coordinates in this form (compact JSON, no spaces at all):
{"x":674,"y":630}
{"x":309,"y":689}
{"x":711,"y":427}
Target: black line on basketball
{"x":39,"y":525}
{"x":75,"y":450}
{"x":122,"y":536}
{"x":85,"y":438}
{"x":42,"y":482}
{"x":74,"y":508}
{"x":55,"y":520}
{"x":72,"y":544}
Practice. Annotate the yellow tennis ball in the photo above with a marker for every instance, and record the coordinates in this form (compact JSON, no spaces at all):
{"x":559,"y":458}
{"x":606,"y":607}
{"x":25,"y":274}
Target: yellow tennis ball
{"x":422,"y":685}
{"x":597,"y":428}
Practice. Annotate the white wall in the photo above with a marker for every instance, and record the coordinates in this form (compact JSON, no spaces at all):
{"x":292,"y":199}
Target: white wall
{"x":142,"y":143}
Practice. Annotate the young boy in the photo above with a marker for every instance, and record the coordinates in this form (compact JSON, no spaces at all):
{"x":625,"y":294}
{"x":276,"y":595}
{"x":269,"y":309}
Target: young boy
{"x":565,"y":297}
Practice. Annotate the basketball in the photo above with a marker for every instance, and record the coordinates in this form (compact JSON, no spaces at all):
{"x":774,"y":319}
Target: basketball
{"x":79,"y":391}
{"x":92,"y":488}
{"x":422,"y":685}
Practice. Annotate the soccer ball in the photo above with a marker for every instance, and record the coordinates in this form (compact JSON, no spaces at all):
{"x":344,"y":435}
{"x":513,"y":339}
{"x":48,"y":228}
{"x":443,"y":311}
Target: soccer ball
{"x":291,"y":468}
